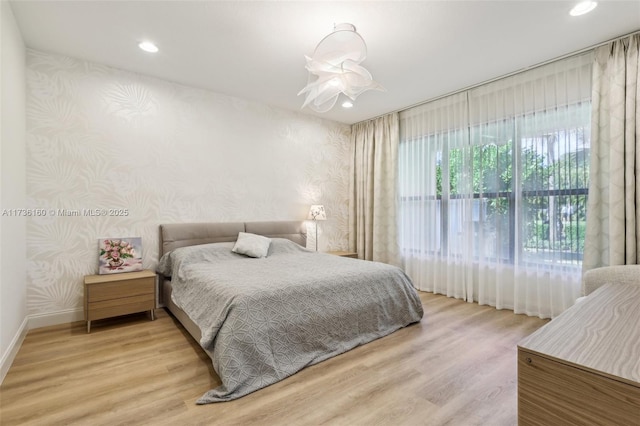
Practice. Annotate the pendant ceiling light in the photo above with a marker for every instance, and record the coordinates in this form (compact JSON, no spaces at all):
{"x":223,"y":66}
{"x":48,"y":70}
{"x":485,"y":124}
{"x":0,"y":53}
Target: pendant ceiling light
{"x":335,"y":68}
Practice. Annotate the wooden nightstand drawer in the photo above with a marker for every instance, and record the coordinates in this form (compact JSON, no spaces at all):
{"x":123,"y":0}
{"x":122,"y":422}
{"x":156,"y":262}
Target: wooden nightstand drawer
{"x":108,"y":296}
{"x":119,"y":289}
{"x":125,"y":300}
{"x":116,"y":307}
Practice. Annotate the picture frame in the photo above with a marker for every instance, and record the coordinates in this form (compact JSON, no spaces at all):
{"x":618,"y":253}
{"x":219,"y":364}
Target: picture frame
{"x":118,"y":255}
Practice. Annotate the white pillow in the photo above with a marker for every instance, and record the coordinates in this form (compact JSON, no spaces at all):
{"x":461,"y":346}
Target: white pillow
{"x":251,"y":245}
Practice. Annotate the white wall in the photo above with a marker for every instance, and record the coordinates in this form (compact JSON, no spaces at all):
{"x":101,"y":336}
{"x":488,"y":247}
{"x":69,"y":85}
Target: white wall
{"x":13,"y":305}
{"x":102,"y":138}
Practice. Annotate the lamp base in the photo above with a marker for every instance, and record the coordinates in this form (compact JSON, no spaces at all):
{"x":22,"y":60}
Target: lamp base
{"x":316,"y":223}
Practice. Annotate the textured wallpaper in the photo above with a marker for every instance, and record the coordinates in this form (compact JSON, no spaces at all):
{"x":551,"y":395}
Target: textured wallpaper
{"x":114,"y":154}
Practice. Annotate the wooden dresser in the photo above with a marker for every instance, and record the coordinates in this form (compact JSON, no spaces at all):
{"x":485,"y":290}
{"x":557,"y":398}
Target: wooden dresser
{"x":118,"y":294}
{"x":583,"y":367}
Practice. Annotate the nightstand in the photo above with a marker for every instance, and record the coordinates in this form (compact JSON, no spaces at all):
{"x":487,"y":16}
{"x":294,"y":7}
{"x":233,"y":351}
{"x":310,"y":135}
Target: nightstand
{"x":112,"y":295}
{"x":351,"y":254}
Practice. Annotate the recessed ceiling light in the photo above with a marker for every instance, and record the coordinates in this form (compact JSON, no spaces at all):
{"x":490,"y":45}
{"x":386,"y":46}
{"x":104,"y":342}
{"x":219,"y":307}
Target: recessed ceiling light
{"x":347,"y":104}
{"x":147,"y":46}
{"x":583,"y":7}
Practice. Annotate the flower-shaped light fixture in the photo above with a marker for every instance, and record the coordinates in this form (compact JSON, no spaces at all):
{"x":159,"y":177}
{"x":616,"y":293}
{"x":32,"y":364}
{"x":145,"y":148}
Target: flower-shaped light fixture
{"x":335,"y":68}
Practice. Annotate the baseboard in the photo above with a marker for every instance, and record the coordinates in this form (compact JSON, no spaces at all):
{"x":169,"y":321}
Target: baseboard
{"x":55,"y":318}
{"x":12,"y":350}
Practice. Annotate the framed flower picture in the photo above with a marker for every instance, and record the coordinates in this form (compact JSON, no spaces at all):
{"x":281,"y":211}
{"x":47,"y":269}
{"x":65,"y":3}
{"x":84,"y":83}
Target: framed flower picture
{"x":118,"y":255}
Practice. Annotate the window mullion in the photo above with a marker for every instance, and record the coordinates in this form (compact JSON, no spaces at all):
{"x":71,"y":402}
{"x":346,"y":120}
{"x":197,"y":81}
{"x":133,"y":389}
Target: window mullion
{"x":444,"y":201}
{"x":515,"y":195}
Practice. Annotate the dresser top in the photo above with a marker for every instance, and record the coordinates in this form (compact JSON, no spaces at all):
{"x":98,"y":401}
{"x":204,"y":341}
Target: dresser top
{"x":601,"y":334}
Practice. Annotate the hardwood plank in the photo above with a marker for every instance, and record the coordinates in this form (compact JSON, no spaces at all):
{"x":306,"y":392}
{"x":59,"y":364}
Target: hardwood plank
{"x":456,"y":367}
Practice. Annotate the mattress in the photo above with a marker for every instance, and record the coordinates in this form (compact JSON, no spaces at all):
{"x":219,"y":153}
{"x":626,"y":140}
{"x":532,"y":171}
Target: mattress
{"x":262,"y":320}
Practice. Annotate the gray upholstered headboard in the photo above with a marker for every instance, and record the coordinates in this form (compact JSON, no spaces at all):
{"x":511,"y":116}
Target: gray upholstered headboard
{"x":175,"y":235}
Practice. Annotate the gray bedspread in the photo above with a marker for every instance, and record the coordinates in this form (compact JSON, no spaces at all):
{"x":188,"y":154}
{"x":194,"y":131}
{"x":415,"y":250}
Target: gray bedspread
{"x":263,"y":320}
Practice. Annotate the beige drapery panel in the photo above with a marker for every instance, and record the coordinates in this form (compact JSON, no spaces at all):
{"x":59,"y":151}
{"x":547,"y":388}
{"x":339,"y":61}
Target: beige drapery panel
{"x":372,"y":201}
{"x":613,"y":212}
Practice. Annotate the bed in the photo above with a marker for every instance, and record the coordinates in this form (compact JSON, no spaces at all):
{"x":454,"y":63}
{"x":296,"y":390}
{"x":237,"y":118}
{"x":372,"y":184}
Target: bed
{"x":264,"y":319}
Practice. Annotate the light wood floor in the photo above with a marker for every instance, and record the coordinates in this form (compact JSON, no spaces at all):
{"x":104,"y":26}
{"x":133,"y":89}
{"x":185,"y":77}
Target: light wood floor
{"x":456,"y":367}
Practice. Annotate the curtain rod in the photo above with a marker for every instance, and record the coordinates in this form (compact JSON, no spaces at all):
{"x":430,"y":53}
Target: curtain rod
{"x":473,"y":86}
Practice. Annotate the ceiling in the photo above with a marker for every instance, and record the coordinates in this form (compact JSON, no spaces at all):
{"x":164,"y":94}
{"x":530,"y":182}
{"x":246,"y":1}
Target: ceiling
{"x":417,"y":50}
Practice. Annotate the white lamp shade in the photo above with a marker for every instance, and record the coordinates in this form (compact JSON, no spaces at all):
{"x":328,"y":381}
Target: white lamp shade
{"x":317,"y":212}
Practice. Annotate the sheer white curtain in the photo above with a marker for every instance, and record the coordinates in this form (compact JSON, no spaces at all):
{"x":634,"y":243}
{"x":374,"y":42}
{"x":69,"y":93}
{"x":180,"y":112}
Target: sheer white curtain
{"x":493,"y":187}
{"x":426,"y":133}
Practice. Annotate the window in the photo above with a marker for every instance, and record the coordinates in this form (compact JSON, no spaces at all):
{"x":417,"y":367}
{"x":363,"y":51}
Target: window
{"x":493,"y":189}
{"x":518,"y":185}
